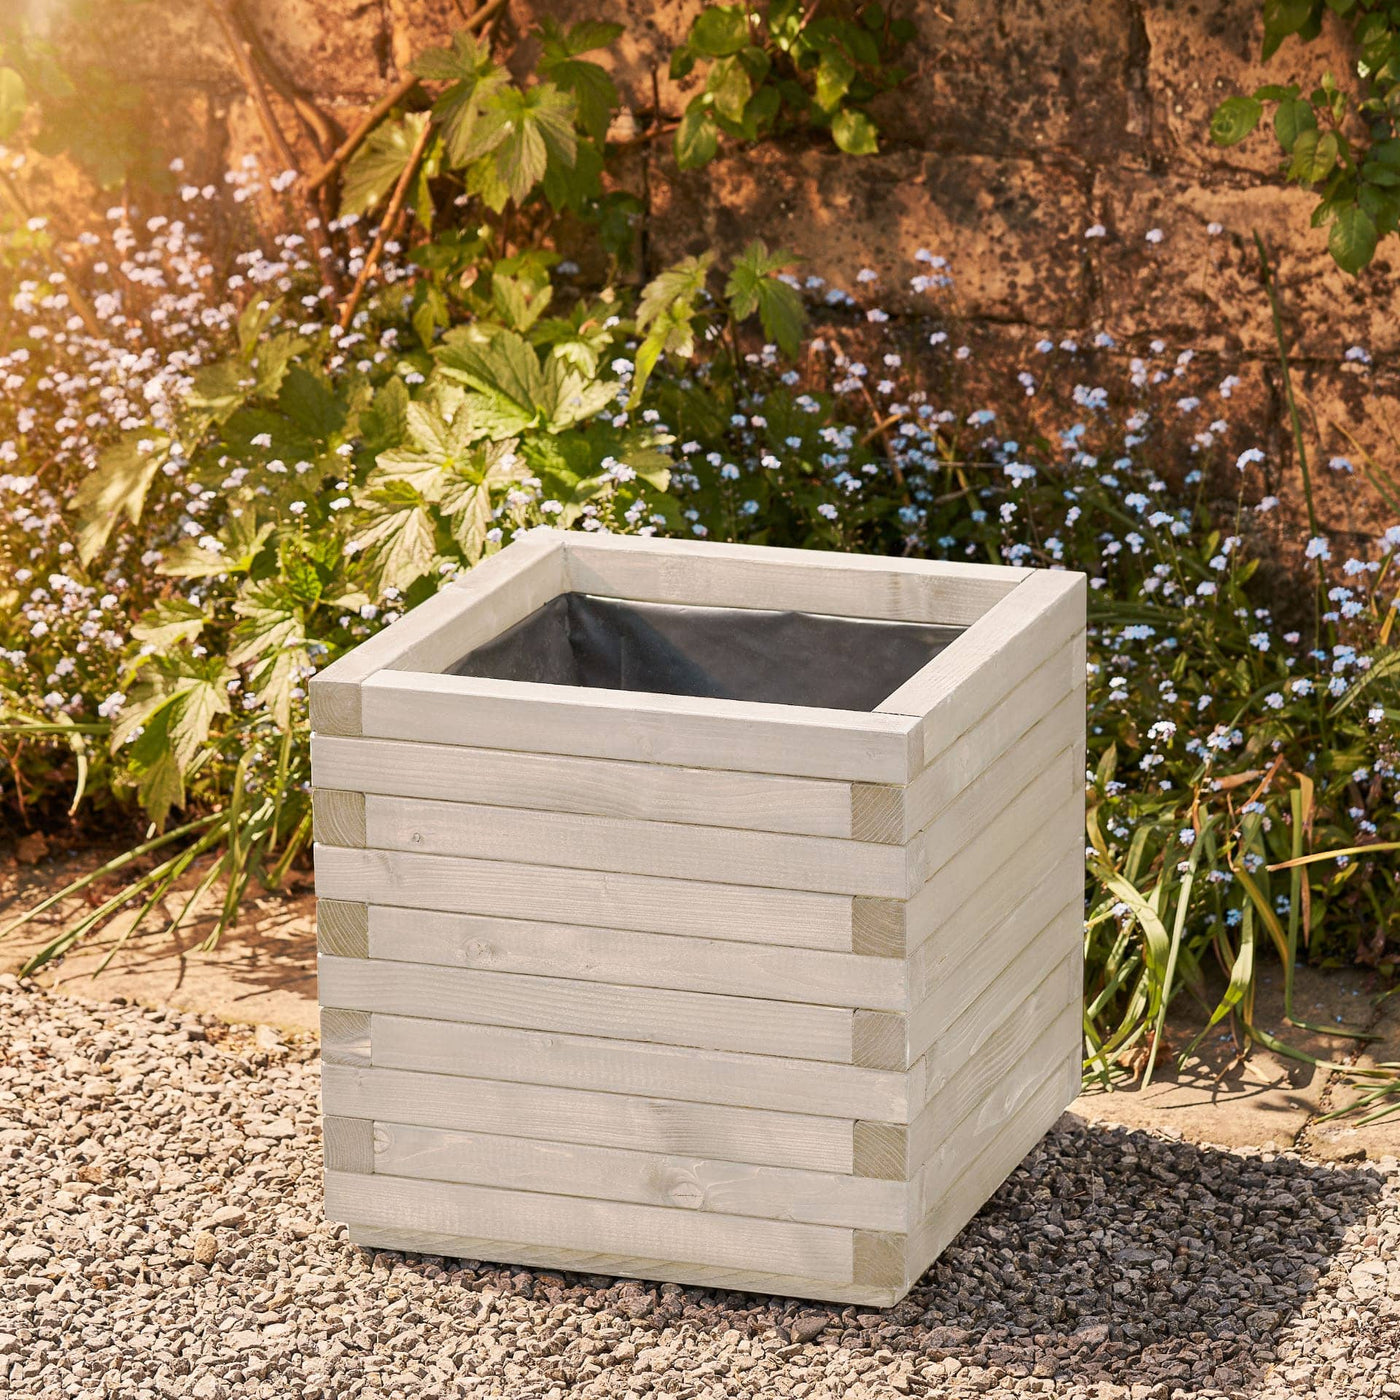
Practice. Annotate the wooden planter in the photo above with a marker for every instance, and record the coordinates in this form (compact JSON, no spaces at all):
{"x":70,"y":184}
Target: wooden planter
{"x":723,"y":992}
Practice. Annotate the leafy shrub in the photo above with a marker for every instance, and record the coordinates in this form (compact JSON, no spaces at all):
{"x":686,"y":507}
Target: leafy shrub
{"x":1339,"y":141}
{"x":218,"y":479}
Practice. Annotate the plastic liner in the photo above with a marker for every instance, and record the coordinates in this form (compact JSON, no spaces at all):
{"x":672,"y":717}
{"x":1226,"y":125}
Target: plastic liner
{"x":779,"y":658}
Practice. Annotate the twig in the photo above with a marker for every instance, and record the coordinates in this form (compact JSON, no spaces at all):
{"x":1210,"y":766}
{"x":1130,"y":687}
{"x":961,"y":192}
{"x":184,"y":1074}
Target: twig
{"x":384,"y":106}
{"x":317,"y":125}
{"x":252,"y":80}
{"x":391,"y":215}
{"x":351,"y":144}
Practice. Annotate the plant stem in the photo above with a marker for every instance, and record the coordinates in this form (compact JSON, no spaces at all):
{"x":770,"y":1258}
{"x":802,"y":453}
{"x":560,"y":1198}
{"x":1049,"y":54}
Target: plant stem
{"x":386,"y":227}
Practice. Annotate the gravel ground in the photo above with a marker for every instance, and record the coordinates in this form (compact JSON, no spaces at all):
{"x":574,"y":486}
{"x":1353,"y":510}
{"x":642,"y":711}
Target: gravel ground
{"x":160,"y":1236}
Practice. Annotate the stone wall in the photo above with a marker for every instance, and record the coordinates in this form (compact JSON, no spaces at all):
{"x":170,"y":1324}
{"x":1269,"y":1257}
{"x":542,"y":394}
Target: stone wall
{"x":1025,"y":124}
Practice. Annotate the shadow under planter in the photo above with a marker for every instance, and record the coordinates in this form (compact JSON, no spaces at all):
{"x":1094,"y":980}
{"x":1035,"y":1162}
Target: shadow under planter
{"x":1108,"y":1256}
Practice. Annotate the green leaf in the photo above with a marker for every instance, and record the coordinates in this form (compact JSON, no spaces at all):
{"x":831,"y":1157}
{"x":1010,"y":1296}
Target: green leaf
{"x":375,"y":168}
{"x":503,"y":369}
{"x":854,"y":133}
{"x":271,"y":640}
{"x":14,"y":102}
{"x":834,"y":74}
{"x":720,"y":30}
{"x":116,"y":486}
{"x":526,"y":130}
{"x":1314,"y":157}
{"x":729,"y":85}
{"x":697,"y":138}
{"x":592,"y":87}
{"x":1352,"y":241}
{"x":1285,"y":17}
{"x":311,"y":405}
{"x":1293,"y":117}
{"x":1234,"y":119}
{"x":465,"y":59}
{"x":398,"y":537}
{"x":172,"y":620}
{"x":754,"y":286}
{"x":682,"y":282}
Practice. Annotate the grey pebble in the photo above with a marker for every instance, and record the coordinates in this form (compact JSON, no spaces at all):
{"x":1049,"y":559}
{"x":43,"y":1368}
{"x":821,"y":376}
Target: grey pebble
{"x":168,"y":1239}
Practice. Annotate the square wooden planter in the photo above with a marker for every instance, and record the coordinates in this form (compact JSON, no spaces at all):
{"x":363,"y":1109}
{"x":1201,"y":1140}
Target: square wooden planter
{"x":721,"y":991}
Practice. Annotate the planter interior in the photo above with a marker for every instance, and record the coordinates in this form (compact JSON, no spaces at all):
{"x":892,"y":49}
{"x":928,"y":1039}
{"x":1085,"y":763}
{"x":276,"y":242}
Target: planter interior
{"x":780,"y":658}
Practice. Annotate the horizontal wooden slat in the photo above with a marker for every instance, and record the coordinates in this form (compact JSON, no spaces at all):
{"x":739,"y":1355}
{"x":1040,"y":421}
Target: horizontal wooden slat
{"x":1031,"y":1090}
{"x":621,"y":1265}
{"x":698,"y":1019}
{"x":689,"y":908}
{"x":1042,"y":873}
{"x":980,"y":1181}
{"x":638,"y":1067}
{"x":1044,"y":802}
{"x":637,"y":959}
{"x":613,"y":1174}
{"x":705,"y":574}
{"x":640,"y":726}
{"x":989,"y":950}
{"x":1040,"y":616}
{"x":577,"y":1115}
{"x":668,"y":849}
{"x":496,"y":594}
{"x":1021,"y":982}
{"x":1053,"y":743}
{"x":600,"y":787}
{"x":1018,"y":1037}
{"x":573,"y":1222}
{"x":971,"y":753}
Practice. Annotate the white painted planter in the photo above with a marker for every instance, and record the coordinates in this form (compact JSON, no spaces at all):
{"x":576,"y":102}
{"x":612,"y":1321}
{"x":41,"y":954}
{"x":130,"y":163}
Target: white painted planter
{"x":722,"y":992}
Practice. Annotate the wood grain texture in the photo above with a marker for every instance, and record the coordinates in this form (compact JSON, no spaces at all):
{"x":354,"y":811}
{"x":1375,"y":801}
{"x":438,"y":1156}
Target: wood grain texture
{"x":669,"y":849}
{"x":573,"y":1222}
{"x":345,"y":1037}
{"x":338,"y":817}
{"x":348,"y":1144}
{"x":613,"y":1174}
{"x":1040,"y":616}
{"x":1027,"y":1090}
{"x":1041,"y":805}
{"x":637,"y":959}
{"x":342,"y":928}
{"x":993,"y":954}
{"x":1017,"y":1038}
{"x":603,"y":1120}
{"x":881,"y":1150}
{"x":1048,"y":864}
{"x":1050,"y":744}
{"x":966,"y":757}
{"x":645,"y":903}
{"x":599,"y":787}
{"x":878,"y":927}
{"x":335,"y":705}
{"x":640,"y":726}
{"x":652,"y":1014}
{"x":880,"y":1040}
{"x":622,"y":1265}
{"x":879,"y":1258}
{"x":636,"y":1067}
{"x":749,"y":576}
{"x":980,"y":1179}
{"x":1021,"y":983}
{"x":877,"y":813}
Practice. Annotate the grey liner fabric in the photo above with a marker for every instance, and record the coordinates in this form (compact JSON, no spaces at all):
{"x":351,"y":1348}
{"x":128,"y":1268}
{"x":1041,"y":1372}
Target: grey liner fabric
{"x":781,"y":658}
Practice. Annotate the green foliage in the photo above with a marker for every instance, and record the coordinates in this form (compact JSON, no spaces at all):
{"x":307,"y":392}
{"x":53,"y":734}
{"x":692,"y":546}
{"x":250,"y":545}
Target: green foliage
{"x":782,"y":66}
{"x":1339,"y":141}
